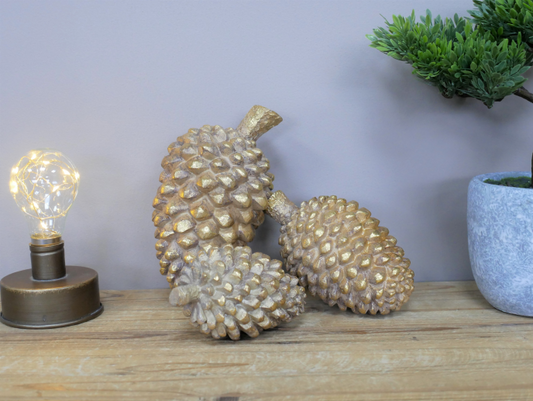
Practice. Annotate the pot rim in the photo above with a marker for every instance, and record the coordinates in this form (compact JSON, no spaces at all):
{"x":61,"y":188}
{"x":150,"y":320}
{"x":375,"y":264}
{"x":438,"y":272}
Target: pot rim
{"x":499,"y":175}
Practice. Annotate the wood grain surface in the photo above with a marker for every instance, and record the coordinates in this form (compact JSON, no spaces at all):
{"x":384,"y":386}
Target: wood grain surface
{"x":447,"y":343}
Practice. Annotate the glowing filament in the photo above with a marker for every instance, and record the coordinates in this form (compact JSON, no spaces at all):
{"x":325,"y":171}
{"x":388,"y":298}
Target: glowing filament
{"x":44,"y":184}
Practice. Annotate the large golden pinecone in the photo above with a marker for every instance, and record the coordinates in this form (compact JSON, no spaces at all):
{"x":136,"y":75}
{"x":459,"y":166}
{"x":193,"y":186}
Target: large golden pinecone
{"x":228,"y":290}
{"x":342,"y":254}
{"x":213,"y":191}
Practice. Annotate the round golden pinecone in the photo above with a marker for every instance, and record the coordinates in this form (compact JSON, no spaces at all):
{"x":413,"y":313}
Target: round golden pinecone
{"x":342,"y":254}
{"x":228,"y":290}
{"x":213,"y":191}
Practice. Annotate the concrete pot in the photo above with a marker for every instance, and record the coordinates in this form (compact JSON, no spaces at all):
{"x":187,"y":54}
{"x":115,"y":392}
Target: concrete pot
{"x":500,"y":242}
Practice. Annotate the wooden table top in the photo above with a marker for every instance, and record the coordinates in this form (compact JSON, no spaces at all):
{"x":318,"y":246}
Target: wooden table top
{"x":447,"y":343}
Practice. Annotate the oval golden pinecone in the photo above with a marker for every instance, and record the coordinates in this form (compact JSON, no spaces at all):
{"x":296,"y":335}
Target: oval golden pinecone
{"x":342,"y":254}
{"x":228,"y":290}
{"x":213,"y":191}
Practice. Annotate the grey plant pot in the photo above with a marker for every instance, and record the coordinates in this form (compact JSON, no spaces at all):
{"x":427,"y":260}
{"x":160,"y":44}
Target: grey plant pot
{"x":500,"y":242}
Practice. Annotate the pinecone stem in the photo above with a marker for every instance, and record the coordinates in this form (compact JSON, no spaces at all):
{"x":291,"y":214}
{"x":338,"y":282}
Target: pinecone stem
{"x":280,"y":208}
{"x":258,"y":121}
{"x":181,"y":296}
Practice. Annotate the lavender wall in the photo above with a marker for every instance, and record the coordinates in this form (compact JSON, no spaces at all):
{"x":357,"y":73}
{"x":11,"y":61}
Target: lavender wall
{"x":112,"y":83}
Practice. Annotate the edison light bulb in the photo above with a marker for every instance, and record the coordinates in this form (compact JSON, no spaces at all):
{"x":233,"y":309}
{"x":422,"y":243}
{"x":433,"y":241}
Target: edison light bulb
{"x":44,"y":184}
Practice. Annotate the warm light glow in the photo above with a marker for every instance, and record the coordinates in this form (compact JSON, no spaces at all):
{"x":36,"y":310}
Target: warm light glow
{"x":44,"y":184}
{"x":13,"y":187}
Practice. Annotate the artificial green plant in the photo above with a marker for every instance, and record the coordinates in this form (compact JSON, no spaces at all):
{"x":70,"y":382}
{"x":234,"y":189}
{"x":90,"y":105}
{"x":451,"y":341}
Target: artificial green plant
{"x":483,"y":57}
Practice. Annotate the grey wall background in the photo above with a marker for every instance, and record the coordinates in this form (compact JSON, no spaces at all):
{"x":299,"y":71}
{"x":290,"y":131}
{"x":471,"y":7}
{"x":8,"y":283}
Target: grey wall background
{"x":112,"y":83}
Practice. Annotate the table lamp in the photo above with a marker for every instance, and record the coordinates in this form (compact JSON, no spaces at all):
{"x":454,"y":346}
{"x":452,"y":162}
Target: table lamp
{"x":44,"y":184}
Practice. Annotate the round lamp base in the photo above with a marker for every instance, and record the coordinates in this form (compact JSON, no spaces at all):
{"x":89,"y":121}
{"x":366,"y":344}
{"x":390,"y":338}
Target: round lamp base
{"x":46,"y":304}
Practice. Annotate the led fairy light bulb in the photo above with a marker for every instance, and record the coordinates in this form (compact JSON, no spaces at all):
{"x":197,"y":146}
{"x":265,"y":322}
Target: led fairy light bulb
{"x":44,"y":184}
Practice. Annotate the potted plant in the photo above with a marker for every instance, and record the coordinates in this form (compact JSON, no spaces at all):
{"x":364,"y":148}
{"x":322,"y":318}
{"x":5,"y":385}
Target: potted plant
{"x":483,"y":57}
{"x":500,"y":239}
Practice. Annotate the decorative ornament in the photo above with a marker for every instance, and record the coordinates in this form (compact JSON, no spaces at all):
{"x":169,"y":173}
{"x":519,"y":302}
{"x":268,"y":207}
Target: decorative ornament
{"x":341,"y":254}
{"x":228,"y":290}
{"x":44,"y":184}
{"x":214,"y":190}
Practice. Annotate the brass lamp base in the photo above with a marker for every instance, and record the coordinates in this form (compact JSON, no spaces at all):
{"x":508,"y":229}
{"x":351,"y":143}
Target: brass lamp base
{"x":44,"y":304}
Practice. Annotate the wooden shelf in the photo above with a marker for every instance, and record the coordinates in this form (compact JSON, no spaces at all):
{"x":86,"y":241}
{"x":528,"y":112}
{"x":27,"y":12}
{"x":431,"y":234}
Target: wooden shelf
{"x":447,"y":343}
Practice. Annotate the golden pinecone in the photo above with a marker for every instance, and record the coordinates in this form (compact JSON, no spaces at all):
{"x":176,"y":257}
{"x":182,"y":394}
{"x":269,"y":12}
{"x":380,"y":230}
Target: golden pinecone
{"x":228,"y":290}
{"x":213,"y":191}
{"x":341,"y":254}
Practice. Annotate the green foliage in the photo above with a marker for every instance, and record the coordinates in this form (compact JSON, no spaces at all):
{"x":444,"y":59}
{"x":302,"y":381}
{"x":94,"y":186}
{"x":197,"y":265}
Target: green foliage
{"x":516,"y":182}
{"x":505,"y":18}
{"x":458,"y":57}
